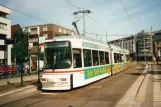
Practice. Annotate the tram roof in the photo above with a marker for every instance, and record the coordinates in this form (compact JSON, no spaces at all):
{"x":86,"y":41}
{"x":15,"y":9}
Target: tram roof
{"x":70,"y":37}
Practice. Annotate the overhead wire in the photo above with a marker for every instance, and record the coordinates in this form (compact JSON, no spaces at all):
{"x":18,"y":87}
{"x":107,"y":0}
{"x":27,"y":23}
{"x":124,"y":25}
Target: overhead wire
{"x":26,"y":14}
{"x":128,"y":15}
{"x":87,"y":15}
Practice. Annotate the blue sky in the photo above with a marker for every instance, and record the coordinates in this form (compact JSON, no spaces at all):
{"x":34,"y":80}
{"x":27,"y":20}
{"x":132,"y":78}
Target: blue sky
{"x":110,"y":13}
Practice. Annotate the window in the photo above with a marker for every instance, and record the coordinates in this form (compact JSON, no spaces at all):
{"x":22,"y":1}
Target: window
{"x":3,"y":26}
{"x":95,"y":58}
{"x":44,"y":28}
{"x":33,"y":29}
{"x":45,"y":35}
{"x":101,"y":56}
{"x":87,"y":58}
{"x":57,"y":55}
{"x":115,"y":57}
{"x":107,"y":57}
{"x":118,"y":58}
{"x":77,"y":59}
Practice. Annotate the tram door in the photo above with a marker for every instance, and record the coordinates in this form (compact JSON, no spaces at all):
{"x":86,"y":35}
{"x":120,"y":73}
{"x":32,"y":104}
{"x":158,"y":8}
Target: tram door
{"x":77,"y":59}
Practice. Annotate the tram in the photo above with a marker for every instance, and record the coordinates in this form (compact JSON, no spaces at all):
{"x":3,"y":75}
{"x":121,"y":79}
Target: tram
{"x":71,"y":61}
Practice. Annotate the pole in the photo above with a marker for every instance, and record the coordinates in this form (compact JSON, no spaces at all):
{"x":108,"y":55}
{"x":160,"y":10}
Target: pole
{"x":144,"y":50}
{"x":15,"y":55}
{"x":29,"y":63}
{"x":84,"y":22}
{"x":38,"y":61}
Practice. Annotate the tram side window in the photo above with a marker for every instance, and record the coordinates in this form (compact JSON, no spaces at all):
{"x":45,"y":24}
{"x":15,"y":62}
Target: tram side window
{"x":122,"y":58}
{"x":95,"y":58}
{"x":118,"y":58}
{"x":77,"y":60}
{"x":87,"y":58}
{"x":115,"y":57}
{"x":102,"y":59}
{"x":107,"y":57}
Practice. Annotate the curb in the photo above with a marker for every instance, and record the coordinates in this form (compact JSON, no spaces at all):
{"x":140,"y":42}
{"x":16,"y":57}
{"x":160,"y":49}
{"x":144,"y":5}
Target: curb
{"x":10,"y":92}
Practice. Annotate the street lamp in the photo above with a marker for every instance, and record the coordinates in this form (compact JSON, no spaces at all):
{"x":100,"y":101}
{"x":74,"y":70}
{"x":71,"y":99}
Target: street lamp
{"x":152,"y":38}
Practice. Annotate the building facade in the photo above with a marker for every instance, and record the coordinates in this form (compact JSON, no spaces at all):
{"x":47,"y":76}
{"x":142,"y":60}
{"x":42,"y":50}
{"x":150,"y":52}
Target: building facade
{"x":5,"y":33}
{"x":157,"y":43}
{"x":144,"y":46}
{"x":126,"y":43}
{"x":49,"y":31}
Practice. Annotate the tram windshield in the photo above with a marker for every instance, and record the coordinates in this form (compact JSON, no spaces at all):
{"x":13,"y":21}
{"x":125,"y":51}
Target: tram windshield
{"x":57,"y":55}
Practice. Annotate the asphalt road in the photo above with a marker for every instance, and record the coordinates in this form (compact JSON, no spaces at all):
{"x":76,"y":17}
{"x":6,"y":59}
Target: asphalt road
{"x":104,"y":93}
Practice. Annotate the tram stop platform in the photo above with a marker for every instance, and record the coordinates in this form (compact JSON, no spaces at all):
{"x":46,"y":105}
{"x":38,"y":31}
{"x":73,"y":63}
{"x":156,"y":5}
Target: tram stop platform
{"x":146,"y":90}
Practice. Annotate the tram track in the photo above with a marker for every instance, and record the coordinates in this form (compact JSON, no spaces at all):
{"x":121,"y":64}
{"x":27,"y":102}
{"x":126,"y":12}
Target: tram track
{"x":90,"y":92}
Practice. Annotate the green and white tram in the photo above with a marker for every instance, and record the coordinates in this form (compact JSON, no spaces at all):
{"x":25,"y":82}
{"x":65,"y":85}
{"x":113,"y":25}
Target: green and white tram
{"x":71,"y":62}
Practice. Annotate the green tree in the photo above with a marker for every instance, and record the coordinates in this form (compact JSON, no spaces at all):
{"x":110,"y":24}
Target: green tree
{"x":19,"y":49}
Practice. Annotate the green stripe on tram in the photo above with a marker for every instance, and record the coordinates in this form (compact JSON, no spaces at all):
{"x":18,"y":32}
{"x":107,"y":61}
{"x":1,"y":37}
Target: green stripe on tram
{"x":95,"y":71}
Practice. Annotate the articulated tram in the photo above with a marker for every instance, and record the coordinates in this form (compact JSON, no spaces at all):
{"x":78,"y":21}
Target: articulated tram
{"x":71,"y":62}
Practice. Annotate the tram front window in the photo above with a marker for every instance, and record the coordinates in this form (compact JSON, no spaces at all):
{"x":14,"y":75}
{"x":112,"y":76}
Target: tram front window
{"x":57,"y":55}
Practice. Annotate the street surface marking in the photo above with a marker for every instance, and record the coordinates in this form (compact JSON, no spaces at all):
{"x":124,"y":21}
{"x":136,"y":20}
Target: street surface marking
{"x":49,"y":93}
{"x":10,"y":92}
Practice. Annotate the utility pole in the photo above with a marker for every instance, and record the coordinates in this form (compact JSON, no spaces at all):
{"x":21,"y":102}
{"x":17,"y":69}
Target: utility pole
{"x":144,"y":49}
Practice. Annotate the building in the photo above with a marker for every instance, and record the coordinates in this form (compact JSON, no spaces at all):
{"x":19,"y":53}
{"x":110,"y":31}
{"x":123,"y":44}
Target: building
{"x":144,"y":46}
{"x":5,"y":33}
{"x":157,"y":43}
{"x":126,"y":43}
{"x":15,"y":28}
{"x":49,"y":31}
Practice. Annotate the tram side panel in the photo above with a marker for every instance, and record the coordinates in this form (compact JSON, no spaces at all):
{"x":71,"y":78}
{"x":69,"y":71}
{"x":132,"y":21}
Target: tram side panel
{"x":91,"y":73}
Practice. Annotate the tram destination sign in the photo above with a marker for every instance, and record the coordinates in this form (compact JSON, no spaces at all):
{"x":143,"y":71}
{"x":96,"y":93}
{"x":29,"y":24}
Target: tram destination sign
{"x":56,"y":44}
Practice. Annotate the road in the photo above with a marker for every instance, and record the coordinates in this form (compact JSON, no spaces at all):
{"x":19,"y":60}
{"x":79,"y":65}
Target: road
{"x":104,"y":93}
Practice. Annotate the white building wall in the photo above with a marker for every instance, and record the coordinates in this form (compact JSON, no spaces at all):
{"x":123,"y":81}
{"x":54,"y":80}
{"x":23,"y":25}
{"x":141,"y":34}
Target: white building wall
{"x":6,"y":31}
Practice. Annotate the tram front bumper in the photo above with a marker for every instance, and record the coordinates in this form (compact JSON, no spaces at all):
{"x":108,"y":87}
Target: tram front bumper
{"x":56,"y":82}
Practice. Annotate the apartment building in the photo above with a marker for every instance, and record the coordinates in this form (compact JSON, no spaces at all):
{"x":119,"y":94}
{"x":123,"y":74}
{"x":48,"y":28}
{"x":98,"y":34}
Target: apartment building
{"x":157,"y":43}
{"x":144,"y":46}
{"x":49,"y":31}
{"x":5,"y":33}
{"x":126,"y":43}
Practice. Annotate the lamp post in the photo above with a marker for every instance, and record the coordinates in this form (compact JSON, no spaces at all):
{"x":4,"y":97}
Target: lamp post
{"x":152,"y":37}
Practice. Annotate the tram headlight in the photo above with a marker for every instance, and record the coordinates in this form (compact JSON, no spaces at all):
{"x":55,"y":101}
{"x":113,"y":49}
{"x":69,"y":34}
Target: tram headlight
{"x":43,"y":79}
{"x":63,"y":79}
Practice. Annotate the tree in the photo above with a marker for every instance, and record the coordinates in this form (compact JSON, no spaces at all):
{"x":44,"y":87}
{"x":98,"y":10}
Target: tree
{"x":19,"y":49}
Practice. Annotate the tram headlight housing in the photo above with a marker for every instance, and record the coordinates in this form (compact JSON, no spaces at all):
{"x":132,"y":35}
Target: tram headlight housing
{"x":63,"y":79}
{"x":43,"y":79}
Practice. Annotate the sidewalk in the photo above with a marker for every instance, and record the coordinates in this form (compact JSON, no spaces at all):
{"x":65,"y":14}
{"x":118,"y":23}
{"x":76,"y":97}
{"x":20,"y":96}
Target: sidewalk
{"x":146,"y":90}
{"x":13,"y":84}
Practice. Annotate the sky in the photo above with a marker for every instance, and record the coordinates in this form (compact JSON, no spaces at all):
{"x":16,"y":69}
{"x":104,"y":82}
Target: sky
{"x":109,"y":13}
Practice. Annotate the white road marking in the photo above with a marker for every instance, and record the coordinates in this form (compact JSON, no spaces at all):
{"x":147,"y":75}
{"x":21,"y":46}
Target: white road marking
{"x":49,"y":93}
{"x":10,"y":92}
